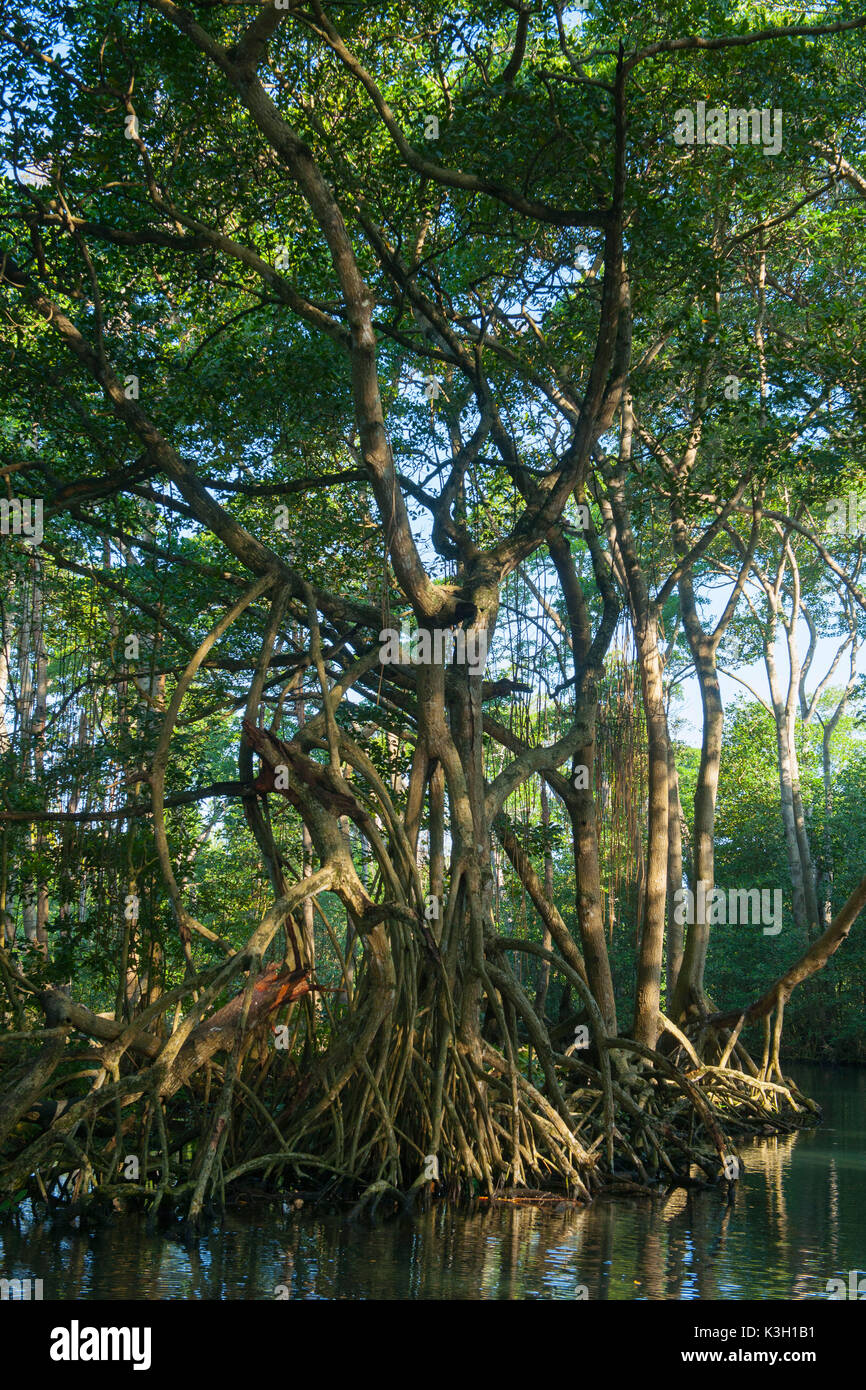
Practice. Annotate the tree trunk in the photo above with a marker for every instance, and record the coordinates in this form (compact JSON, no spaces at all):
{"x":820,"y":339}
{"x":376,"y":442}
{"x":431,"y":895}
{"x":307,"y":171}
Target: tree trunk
{"x":543,"y":979}
{"x":675,"y":933}
{"x":690,"y":982}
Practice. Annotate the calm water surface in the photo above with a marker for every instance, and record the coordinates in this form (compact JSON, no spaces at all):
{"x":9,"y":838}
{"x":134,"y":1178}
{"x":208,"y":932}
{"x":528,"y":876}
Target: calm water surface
{"x":799,"y":1220}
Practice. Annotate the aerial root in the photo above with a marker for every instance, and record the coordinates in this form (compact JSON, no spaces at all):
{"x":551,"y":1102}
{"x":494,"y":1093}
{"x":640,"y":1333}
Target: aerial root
{"x":365,"y":1124}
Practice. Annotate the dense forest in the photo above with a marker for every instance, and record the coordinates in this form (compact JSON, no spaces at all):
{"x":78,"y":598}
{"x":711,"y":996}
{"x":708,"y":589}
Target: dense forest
{"x":415,"y":423}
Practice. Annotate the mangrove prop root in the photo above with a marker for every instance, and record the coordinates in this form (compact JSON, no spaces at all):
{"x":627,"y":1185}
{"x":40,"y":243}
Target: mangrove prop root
{"x":367,"y":1126}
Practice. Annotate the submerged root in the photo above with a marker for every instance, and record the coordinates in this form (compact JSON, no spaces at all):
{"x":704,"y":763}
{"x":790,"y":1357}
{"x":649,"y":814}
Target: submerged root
{"x":367,"y":1206}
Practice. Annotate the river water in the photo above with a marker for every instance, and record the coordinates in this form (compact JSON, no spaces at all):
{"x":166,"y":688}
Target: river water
{"x":799,"y":1220}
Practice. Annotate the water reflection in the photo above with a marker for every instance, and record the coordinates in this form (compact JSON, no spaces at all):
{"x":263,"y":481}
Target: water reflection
{"x":798,"y":1221}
